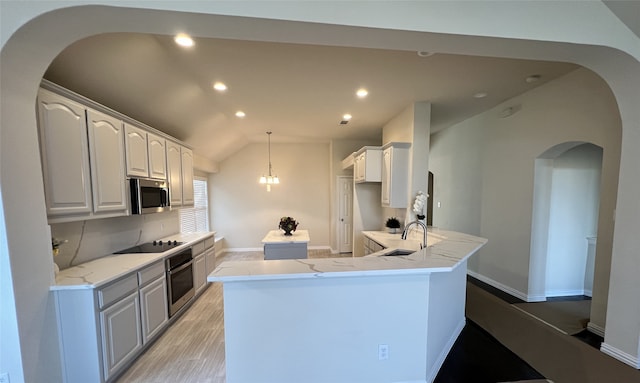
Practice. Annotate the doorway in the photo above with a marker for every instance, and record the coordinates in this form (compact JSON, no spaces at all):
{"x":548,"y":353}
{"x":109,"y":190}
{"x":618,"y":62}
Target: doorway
{"x":344,"y":225}
{"x":564,"y":220}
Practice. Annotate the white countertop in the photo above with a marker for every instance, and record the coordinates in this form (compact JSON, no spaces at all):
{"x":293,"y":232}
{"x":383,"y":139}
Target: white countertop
{"x":278,"y":237}
{"x":446,"y":250}
{"x":111,"y":267}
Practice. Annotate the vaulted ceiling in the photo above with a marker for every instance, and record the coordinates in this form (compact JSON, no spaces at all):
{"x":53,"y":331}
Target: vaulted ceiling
{"x":300,"y":92}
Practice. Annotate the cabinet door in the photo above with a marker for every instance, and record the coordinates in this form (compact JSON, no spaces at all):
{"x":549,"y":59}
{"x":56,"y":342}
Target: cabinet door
{"x":154,"y":309}
{"x":386,"y":175}
{"x":136,"y":151}
{"x":199,"y":273}
{"x":174,"y":173}
{"x":121,"y":337}
{"x":210,"y":260}
{"x":157,"y":157}
{"x":106,"y":150}
{"x":64,"y":154}
{"x":187,"y":177}
{"x":359,"y":168}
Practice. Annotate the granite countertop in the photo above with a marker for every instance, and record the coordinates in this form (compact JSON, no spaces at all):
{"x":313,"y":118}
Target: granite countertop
{"x":446,"y":250}
{"x":277,"y":236}
{"x":103,"y":270}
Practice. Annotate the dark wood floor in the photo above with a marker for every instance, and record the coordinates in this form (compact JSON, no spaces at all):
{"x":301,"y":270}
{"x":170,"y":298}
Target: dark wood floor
{"x":479,"y":358}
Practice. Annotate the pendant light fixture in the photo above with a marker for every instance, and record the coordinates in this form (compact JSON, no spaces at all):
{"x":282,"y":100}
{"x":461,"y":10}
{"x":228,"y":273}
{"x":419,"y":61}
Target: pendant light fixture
{"x":269,"y":180}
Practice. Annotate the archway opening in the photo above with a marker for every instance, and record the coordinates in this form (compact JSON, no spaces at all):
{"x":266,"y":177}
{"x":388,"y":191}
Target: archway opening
{"x":565,"y":220}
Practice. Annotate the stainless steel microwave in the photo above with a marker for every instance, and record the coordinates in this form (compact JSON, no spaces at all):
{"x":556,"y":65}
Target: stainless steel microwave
{"x":149,"y":196}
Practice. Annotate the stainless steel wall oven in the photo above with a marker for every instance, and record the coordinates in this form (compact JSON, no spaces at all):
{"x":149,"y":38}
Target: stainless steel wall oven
{"x":180,"y":287}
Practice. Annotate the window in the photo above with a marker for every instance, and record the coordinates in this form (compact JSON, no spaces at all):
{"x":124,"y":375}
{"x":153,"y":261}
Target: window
{"x":196,"y":219}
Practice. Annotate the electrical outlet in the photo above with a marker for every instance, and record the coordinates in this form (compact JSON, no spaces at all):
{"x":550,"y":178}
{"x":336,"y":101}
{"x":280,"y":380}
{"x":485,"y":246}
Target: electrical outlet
{"x":383,"y":351}
{"x":4,"y":377}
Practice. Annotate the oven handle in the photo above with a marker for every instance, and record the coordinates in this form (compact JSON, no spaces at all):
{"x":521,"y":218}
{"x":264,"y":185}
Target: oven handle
{"x":182,"y":267}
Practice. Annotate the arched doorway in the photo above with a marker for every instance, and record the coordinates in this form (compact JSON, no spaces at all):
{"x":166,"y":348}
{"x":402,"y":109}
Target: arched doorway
{"x":565,"y":220}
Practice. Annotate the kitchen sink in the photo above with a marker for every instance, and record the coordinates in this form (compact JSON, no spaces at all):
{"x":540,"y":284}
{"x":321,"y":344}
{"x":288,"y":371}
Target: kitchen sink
{"x":399,"y":252}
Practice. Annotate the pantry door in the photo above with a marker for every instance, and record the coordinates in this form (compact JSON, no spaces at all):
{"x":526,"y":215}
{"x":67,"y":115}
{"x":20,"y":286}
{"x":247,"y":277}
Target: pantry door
{"x":345,"y":214}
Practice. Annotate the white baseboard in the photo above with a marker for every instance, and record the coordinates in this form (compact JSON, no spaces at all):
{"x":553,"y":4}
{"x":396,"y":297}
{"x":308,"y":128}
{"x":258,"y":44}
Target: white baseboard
{"x":431,"y":375}
{"x":241,"y":249}
{"x":500,"y":286}
{"x":565,"y":293}
{"x":596,"y":329}
{"x":622,"y":356}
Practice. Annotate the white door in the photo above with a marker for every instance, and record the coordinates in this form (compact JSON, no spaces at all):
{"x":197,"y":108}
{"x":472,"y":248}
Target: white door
{"x":174,"y":172}
{"x":187,"y":177}
{"x":65,"y":155}
{"x":157,"y":157}
{"x":135,"y":143}
{"x":106,"y":154}
{"x":345,"y":214}
{"x":154,"y":310}
{"x":121,"y":335}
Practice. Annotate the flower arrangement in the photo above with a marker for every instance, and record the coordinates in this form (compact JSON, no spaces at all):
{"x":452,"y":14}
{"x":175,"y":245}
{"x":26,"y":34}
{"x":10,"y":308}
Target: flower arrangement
{"x":288,"y":224}
{"x":420,"y":204}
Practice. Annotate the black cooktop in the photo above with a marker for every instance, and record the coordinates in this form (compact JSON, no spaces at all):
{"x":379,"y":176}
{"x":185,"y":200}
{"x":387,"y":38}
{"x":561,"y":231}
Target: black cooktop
{"x":151,"y":247}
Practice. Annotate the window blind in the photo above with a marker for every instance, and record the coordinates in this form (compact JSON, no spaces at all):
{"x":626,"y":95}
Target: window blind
{"x":196,"y":219}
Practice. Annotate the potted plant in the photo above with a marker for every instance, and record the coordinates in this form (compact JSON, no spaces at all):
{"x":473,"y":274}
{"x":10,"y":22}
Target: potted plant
{"x":288,"y":224}
{"x":393,"y":225}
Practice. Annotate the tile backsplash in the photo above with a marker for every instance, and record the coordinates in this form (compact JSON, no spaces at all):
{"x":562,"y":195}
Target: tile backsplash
{"x":92,"y":239}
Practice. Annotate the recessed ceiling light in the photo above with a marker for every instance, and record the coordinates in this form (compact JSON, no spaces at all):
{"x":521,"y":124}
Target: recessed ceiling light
{"x":347,"y":117}
{"x":240,"y":114}
{"x":184,"y":40}
{"x":533,"y":78}
{"x":219,"y":86}
{"x":362,"y":93}
{"x":425,"y":53}
{"x":481,"y":95}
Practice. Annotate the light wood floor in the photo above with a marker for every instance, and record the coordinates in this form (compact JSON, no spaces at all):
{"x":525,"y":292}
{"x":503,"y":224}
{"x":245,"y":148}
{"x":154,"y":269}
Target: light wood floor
{"x":192,"y":349}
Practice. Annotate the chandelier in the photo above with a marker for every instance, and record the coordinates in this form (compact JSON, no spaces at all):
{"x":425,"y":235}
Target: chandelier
{"x":269,"y":180}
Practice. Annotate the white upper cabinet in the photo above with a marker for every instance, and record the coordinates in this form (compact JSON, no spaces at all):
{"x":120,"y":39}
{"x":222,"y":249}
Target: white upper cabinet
{"x":180,"y":174}
{"x":157,"y":156}
{"x":106,"y":150}
{"x":367,"y":166}
{"x":137,"y":153}
{"x":187,"y":177}
{"x":174,"y":173}
{"x":146,"y":153}
{"x":395,"y":174}
{"x":64,"y":154}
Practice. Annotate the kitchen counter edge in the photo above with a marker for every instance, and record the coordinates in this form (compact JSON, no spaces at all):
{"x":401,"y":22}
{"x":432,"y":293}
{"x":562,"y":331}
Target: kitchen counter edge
{"x":102,"y":271}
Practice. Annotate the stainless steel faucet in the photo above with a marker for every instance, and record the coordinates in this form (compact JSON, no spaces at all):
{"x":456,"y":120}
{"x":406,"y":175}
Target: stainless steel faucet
{"x":424,"y":228}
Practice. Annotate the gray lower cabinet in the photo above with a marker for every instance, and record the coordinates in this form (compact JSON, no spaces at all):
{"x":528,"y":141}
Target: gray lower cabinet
{"x":154,"y":308}
{"x":199,"y":273}
{"x":121,"y":335}
{"x":102,"y":330}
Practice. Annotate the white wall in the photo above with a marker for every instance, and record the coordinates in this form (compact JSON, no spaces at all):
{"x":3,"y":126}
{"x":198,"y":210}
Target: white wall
{"x":575,"y":197}
{"x":485,"y":167}
{"x":243,"y":210}
{"x":31,"y":38}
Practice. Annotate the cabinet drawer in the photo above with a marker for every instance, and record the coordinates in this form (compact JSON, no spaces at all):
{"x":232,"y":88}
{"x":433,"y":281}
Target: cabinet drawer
{"x":197,"y":248}
{"x":150,"y":273}
{"x":209,"y":242}
{"x":115,"y":291}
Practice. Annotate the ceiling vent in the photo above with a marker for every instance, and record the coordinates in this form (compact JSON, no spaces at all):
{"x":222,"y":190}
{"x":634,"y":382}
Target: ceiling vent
{"x":344,"y":122}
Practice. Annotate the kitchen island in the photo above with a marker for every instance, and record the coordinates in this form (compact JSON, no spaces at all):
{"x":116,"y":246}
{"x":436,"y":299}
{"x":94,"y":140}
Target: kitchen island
{"x":367,"y":319}
{"x":277,"y":245}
